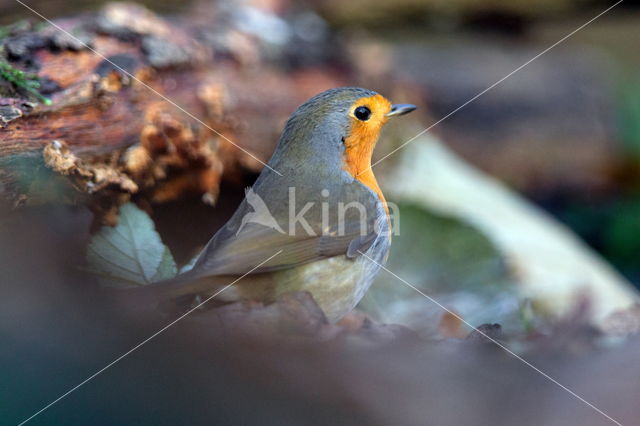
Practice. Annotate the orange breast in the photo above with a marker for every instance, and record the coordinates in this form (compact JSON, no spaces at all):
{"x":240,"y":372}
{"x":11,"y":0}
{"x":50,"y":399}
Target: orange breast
{"x":361,"y":141}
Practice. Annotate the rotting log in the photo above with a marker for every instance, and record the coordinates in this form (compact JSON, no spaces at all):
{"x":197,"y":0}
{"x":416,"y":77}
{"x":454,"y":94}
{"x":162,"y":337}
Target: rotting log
{"x":135,"y":104}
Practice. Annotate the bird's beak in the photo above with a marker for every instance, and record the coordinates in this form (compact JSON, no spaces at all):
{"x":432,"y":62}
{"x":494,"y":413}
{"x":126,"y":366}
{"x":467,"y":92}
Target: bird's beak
{"x":400,"y":109}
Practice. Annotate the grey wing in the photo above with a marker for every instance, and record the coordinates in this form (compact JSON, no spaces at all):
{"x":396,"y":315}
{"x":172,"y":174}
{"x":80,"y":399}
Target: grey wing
{"x":242,"y":244}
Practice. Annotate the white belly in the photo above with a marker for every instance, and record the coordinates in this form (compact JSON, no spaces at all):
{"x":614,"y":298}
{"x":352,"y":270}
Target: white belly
{"x":337,"y":284}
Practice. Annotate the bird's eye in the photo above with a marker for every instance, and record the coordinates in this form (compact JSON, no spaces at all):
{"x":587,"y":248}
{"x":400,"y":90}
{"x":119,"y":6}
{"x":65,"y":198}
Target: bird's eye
{"x":362,"y":113}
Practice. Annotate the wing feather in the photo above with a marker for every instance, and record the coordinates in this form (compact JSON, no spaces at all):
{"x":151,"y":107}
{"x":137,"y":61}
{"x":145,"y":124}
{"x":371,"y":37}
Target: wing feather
{"x":238,"y":247}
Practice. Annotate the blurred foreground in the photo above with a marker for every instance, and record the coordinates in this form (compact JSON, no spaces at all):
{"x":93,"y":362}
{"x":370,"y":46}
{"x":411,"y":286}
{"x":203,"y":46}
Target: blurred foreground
{"x":58,"y":329}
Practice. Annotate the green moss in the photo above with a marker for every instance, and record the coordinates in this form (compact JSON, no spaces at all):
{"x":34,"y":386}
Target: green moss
{"x":22,"y":81}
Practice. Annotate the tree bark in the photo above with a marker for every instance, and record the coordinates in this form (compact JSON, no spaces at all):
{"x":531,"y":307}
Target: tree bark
{"x":138,"y":105}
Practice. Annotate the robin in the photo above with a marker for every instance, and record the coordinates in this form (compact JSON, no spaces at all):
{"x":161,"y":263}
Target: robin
{"x":314,"y":218}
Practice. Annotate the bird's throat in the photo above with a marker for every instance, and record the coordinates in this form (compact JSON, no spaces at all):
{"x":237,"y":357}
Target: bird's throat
{"x":357,"y":161}
{"x":361,"y":141}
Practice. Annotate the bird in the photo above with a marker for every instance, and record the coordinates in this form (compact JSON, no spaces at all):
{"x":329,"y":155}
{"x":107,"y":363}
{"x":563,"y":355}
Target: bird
{"x":315,"y":219}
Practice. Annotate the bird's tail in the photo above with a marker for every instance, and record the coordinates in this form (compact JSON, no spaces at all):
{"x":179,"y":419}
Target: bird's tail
{"x":172,"y":294}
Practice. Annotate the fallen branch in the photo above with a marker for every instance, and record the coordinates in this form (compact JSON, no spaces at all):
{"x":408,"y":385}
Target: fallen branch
{"x":136,"y":105}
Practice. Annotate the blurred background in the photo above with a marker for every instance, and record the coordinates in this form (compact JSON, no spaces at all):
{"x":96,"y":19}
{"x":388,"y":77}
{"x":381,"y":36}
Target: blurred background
{"x":564,"y":131}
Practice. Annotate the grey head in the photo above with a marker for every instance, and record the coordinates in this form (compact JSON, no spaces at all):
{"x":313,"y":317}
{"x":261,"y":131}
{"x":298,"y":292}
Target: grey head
{"x":313,"y":135}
